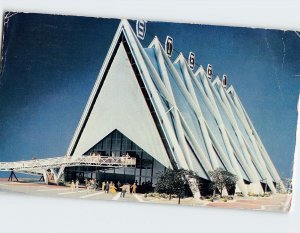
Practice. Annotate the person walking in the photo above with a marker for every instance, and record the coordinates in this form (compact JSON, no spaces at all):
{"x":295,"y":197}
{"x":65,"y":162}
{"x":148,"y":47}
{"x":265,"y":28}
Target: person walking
{"x":112,"y":188}
{"x":77,"y":185}
{"x":95,"y":184}
{"x":133,"y":186}
{"x":119,"y":186}
{"x":123,"y":190}
{"x":72,"y":186}
{"x":92,"y":184}
{"x":86,"y":183}
{"x":107,"y":187}
{"x":128,"y":188}
{"x":103,"y":185}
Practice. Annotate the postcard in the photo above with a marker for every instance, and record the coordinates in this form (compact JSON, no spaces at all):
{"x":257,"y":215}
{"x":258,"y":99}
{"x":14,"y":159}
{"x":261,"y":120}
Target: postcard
{"x":152,"y":112}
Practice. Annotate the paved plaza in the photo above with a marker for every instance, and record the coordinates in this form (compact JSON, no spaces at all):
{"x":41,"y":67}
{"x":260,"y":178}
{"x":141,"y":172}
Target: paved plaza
{"x":40,"y":189}
{"x":278,"y":202}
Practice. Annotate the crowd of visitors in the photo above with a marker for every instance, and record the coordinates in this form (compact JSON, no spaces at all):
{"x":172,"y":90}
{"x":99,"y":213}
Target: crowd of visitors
{"x":92,"y":185}
{"x":109,"y":187}
{"x":74,"y":185}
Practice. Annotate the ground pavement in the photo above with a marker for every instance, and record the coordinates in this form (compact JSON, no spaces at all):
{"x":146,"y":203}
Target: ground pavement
{"x":40,"y":189}
{"x":278,"y":202}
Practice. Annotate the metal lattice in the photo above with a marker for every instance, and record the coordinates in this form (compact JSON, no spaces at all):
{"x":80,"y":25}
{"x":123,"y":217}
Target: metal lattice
{"x":38,"y":166}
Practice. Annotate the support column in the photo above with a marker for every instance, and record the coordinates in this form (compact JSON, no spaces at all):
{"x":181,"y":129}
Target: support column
{"x":45,"y":175}
{"x":12,"y":174}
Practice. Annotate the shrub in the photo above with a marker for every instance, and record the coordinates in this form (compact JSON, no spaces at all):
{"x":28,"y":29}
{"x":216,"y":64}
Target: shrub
{"x":175,"y":182}
{"x":222,"y":179}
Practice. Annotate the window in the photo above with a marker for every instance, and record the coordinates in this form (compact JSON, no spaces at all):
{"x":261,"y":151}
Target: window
{"x":146,"y":170}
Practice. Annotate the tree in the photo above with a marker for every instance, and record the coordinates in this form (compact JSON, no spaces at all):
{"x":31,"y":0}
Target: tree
{"x":280,"y":187}
{"x":175,"y":182}
{"x":222,"y":179}
{"x":286,"y":185}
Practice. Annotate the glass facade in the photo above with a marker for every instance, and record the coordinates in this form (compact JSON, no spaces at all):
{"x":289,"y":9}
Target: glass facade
{"x":145,"y":173}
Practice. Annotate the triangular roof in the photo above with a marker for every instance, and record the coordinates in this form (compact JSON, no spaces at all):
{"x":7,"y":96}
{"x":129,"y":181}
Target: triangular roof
{"x":119,"y":101}
{"x":189,"y":120}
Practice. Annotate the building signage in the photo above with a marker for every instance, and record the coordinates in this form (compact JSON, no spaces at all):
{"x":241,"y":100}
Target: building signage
{"x":224,"y":80}
{"x":169,"y":46}
{"x":141,"y":29}
{"x":209,"y":71}
{"x":192,"y":60}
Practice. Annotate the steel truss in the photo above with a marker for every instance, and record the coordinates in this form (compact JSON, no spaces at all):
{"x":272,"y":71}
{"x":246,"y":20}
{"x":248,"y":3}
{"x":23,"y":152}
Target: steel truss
{"x":39,"y":166}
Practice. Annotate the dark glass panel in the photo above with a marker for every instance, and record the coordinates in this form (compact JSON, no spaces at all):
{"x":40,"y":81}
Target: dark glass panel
{"x":119,"y":170}
{"x":110,"y":171}
{"x":129,"y":171}
{"x":147,"y":161}
{"x":158,"y":168}
{"x":143,"y":180}
{"x":107,"y":143}
{"x":146,"y":169}
{"x":154,"y":181}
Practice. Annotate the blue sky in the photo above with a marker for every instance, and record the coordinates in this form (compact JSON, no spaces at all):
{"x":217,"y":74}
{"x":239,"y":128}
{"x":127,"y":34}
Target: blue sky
{"x":50,"y":64}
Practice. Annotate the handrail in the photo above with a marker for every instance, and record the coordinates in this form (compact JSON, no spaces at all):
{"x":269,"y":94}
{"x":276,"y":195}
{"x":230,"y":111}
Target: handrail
{"x":68,"y":161}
